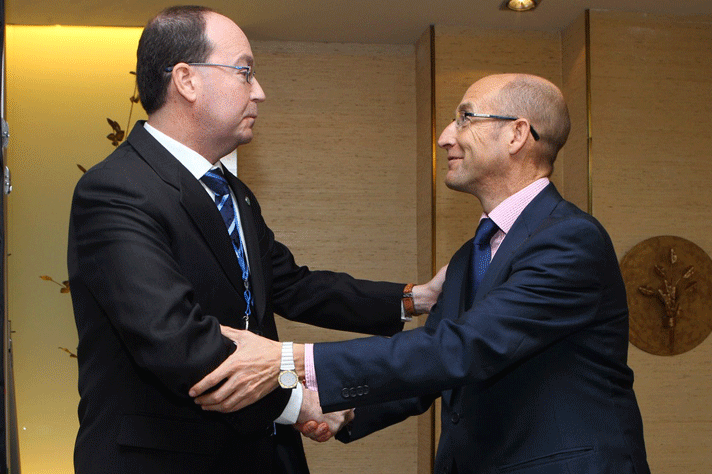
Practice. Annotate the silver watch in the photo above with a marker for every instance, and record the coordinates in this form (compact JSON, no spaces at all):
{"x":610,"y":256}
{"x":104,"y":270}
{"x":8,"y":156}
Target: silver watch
{"x":287,"y":375}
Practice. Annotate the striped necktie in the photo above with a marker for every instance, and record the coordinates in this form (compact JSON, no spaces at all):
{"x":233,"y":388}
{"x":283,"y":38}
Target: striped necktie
{"x":215,"y":180}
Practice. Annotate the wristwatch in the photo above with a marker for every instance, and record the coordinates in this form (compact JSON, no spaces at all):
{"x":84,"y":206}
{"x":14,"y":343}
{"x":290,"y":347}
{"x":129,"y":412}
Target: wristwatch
{"x":408,"y":304}
{"x":287,"y":375}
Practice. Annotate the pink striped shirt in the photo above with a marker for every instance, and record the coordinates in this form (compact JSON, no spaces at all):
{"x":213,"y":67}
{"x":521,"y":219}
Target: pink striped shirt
{"x":509,"y":210}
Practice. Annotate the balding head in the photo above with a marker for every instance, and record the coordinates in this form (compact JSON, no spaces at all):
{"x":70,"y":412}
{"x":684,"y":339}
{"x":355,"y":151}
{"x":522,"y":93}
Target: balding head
{"x":537,"y":100}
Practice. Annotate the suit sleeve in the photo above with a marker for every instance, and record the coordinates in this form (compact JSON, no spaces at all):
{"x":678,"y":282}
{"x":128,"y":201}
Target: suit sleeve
{"x":552,"y":290}
{"x":124,"y":261}
{"x":371,"y":418}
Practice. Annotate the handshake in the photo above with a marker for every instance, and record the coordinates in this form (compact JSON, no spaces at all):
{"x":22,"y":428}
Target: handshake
{"x":251,"y":372}
{"x":315,"y":424}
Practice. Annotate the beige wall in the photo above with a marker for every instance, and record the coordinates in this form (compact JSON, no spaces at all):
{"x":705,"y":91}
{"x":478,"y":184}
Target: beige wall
{"x":651,"y":170}
{"x":342,"y":163}
{"x":574,"y":81}
{"x":62,"y":84}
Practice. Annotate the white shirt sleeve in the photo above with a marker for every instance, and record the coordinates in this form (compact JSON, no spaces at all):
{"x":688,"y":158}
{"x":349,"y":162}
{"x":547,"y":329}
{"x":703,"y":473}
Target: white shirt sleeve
{"x":291,"y":411}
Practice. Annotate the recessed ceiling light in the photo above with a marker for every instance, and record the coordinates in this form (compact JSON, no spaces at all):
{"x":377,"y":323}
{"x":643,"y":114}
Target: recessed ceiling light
{"x":520,"y":5}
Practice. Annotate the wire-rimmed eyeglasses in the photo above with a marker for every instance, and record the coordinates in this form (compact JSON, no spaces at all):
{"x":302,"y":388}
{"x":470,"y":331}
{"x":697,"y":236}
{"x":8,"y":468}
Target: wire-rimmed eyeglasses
{"x":463,"y":117}
{"x":247,"y":71}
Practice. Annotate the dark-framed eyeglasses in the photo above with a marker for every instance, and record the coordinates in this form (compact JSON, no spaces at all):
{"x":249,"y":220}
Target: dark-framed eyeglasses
{"x":247,"y":71}
{"x":464,"y":117}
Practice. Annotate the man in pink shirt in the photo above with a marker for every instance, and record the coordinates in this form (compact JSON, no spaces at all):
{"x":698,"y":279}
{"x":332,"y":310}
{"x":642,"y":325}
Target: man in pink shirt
{"x":527,"y":344}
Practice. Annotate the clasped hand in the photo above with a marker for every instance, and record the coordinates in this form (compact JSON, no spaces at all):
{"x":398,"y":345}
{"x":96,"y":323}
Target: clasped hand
{"x":249,"y":374}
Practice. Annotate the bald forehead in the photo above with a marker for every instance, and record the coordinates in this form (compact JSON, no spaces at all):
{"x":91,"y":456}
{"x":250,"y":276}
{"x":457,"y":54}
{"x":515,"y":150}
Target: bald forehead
{"x":486,"y":88}
{"x":227,"y":38}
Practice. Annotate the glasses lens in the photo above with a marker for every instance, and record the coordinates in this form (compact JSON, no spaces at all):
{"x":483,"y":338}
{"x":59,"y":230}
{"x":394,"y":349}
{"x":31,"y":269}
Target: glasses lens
{"x":460,"y":119}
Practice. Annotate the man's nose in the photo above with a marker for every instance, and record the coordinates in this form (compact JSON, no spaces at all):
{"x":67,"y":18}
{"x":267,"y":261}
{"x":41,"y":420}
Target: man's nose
{"x":447,"y":137}
{"x":257,"y":94}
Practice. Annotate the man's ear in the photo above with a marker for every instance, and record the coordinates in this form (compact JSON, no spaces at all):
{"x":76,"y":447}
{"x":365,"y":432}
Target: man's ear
{"x":185,"y":81}
{"x":519,"y":136}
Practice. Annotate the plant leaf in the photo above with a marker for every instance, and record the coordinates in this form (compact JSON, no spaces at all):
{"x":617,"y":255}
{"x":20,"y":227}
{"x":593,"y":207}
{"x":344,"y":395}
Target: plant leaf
{"x":660,"y":271}
{"x":71,"y":354}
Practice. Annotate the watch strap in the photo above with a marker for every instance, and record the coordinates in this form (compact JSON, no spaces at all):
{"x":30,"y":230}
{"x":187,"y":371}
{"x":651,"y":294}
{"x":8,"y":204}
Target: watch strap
{"x":408,"y":303}
{"x":287,"y":356}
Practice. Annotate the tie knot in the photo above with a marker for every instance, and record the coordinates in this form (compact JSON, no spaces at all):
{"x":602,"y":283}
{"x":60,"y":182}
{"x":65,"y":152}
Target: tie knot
{"x":215,"y":180}
{"x":485,"y":231}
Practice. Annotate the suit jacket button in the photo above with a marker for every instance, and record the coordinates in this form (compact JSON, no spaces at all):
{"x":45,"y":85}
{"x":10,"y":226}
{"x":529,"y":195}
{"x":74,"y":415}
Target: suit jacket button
{"x":345,"y":393}
{"x":455,"y":418}
{"x":365,"y":389}
{"x":352,"y":392}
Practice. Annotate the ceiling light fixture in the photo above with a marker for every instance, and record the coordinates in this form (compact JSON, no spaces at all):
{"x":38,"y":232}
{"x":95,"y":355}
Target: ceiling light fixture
{"x":521,"y":5}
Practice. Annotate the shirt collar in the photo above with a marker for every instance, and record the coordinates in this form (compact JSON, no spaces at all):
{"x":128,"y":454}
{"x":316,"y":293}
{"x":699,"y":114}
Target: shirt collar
{"x":507,"y":212}
{"x":192,"y":160}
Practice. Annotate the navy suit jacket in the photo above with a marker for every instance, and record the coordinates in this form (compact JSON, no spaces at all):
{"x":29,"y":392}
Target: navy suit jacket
{"x":533,"y":376}
{"x":153,"y":274}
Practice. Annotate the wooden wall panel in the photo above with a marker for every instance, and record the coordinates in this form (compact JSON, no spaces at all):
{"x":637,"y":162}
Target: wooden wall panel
{"x":651,"y":93}
{"x":574,"y":169}
{"x":333,"y":163}
{"x":424,"y":202}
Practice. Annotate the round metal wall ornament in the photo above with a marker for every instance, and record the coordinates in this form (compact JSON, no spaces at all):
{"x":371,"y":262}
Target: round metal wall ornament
{"x":668,"y":280}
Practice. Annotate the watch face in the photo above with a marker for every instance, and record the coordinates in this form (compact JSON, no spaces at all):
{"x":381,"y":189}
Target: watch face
{"x":288,"y":379}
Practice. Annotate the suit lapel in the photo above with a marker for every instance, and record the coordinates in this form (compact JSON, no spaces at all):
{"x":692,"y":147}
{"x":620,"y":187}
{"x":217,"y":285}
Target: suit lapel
{"x":251,"y":242}
{"x":527,"y":222}
{"x":193,"y":198}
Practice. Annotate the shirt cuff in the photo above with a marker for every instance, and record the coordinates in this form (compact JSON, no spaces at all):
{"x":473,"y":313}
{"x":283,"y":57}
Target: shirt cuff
{"x":291,"y":412}
{"x":309,"y":370}
{"x":404,"y":316}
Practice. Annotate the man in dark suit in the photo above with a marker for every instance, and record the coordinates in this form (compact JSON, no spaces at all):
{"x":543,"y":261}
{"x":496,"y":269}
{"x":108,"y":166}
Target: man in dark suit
{"x":159,"y":259}
{"x":527,"y":344}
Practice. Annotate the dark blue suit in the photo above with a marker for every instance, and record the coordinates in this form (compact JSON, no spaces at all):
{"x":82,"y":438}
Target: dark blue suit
{"x":533,"y":377}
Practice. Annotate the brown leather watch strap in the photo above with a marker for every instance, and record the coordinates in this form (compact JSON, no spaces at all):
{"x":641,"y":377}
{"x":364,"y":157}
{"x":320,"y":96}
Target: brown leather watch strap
{"x":408,"y":303}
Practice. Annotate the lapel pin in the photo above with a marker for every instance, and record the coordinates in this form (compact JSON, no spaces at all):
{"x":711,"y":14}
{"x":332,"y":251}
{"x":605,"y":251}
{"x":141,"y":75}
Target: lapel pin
{"x":247,"y":200}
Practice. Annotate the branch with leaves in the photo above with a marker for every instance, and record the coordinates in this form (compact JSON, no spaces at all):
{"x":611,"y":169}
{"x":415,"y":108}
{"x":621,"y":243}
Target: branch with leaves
{"x":64,"y":285}
{"x":117,"y":135}
{"x":64,"y":289}
{"x":671,"y":292}
{"x":71,"y":354}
